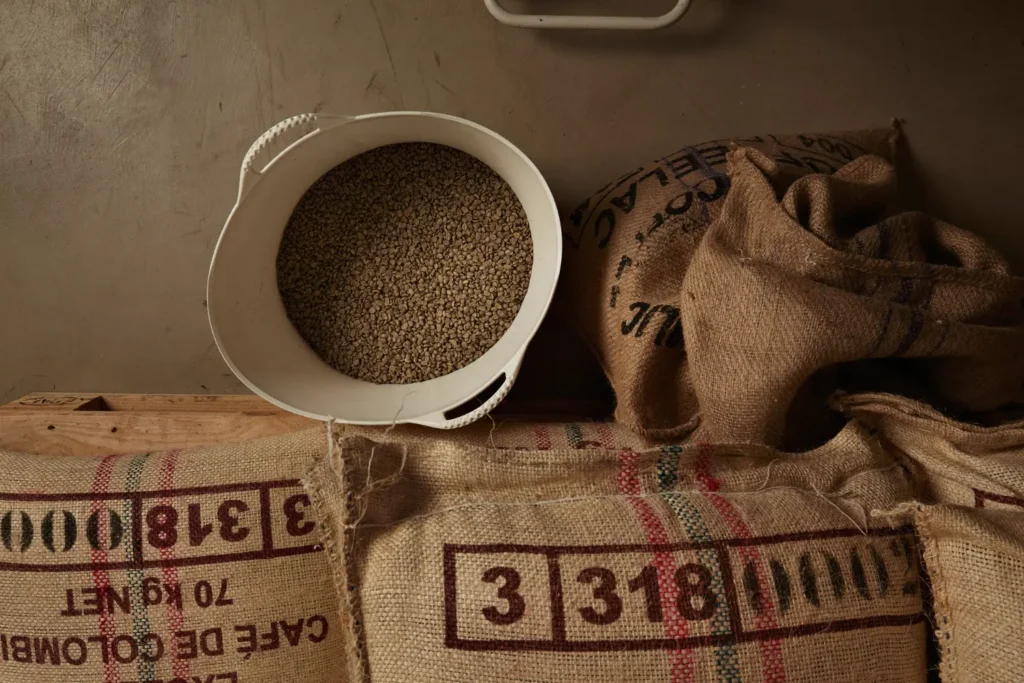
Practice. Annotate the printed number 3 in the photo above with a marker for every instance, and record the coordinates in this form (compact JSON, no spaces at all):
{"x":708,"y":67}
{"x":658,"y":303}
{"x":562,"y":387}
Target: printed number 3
{"x":603,"y":591}
{"x":507,"y":592}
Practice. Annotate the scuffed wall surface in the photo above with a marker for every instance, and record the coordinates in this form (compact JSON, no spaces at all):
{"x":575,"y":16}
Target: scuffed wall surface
{"x":122,"y":126}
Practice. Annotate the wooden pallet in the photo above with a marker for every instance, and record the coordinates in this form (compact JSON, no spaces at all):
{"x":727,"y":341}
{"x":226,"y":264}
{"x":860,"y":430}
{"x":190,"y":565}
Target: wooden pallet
{"x":100,"y":424}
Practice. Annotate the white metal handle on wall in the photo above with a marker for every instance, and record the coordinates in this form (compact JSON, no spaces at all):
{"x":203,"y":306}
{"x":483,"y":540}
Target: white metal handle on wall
{"x":586,"y":22}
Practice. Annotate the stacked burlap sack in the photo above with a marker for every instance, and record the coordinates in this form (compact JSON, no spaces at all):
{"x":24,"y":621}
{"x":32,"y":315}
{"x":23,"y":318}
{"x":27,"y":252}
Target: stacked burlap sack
{"x":560,"y":553}
{"x":727,"y":293}
{"x":969,"y":518}
{"x":199,"y":565}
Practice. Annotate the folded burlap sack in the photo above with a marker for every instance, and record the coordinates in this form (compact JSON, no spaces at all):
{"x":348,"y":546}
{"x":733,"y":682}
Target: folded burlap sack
{"x":954,"y":462}
{"x":456,"y":562}
{"x":512,"y":434}
{"x":973,"y":537}
{"x":627,"y":250}
{"x":182,"y":566}
{"x":798,"y":277}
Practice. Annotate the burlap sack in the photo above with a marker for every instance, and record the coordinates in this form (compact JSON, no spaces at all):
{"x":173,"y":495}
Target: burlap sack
{"x":786,"y":285}
{"x":697,"y":563}
{"x":973,"y":541}
{"x":627,"y":249}
{"x":953,"y":462}
{"x":198,"y":566}
{"x":975,"y":564}
{"x":508,"y":434}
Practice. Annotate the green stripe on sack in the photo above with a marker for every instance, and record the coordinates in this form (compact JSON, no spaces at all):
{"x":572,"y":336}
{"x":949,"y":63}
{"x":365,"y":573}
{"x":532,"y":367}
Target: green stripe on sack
{"x":574,"y":434}
{"x":140,"y":617}
{"x":727,"y":663}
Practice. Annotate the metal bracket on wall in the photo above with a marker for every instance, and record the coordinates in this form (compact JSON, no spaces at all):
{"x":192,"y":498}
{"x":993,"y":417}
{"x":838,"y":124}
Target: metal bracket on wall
{"x":586,"y":22}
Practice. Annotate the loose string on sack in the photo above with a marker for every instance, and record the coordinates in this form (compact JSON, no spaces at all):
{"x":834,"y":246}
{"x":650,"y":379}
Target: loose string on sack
{"x":357,"y":500}
{"x":830,"y":499}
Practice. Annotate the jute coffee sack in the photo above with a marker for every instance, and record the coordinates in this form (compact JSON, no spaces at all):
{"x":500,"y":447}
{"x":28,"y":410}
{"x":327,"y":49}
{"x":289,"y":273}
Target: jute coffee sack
{"x":953,"y":462}
{"x":973,"y":541}
{"x":518,"y":435}
{"x":975,"y":564}
{"x":628,"y":247}
{"x":182,"y":566}
{"x":797,"y":277}
{"x":685,"y":563}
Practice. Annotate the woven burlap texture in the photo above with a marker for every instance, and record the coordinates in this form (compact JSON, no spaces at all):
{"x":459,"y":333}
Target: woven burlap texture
{"x":953,"y":461}
{"x":975,"y":563}
{"x":199,"y":564}
{"x":799,"y":278}
{"x":973,"y":532}
{"x":776,"y":279}
{"x":457,"y":562}
{"x":628,"y":248}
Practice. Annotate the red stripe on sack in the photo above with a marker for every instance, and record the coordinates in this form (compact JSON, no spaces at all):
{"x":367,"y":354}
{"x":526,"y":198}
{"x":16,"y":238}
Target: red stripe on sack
{"x":774,"y":670}
{"x":604,"y":434}
{"x":98,"y":555}
{"x":540,"y":433}
{"x":664,"y":563}
{"x":175,"y":619}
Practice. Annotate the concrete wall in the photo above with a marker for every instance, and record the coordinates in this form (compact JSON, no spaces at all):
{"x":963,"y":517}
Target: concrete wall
{"x":122,"y":126}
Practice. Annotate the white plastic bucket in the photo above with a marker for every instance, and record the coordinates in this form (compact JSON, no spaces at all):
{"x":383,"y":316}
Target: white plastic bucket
{"x":247,"y":317}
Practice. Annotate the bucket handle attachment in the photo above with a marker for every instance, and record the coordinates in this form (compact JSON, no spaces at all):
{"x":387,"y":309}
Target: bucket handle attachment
{"x":439,"y":421}
{"x":306,"y":124}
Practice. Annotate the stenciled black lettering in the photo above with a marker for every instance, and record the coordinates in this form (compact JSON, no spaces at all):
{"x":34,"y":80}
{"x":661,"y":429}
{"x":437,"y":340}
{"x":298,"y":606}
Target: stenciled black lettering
{"x":7,"y":531}
{"x":675,"y":208}
{"x":604,"y":592}
{"x":835,"y":576}
{"x":808,"y":580}
{"x":752,"y":587}
{"x":881,"y":571}
{"x":668,"y":325}
{"x":115,"y":526}
{"x":509,"y":592}
{"x":783,"y":586}
{"x":69,"y":531}
{"x":607,"y":219}
{"x":641,"y":308}
{"x":627,"y":200}
{"x":721,"y":186}
{"x":860,"y":580}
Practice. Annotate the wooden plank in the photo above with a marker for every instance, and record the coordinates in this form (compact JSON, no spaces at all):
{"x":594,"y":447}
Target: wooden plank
{"x":99,"y":424}
{"x":515,"y":406}
{"x":69,"y":432}
{"x":50,"y":401}
{"x":221,"y":403}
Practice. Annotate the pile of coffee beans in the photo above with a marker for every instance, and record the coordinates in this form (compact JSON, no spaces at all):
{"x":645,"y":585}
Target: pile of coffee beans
{"x":405,"y":263}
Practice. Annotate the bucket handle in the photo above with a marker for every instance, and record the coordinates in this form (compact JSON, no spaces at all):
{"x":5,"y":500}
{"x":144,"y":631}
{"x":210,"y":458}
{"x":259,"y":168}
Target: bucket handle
{"x":586,"y":22}
{"x":307,"y":124}
{"x":439,"y":421}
